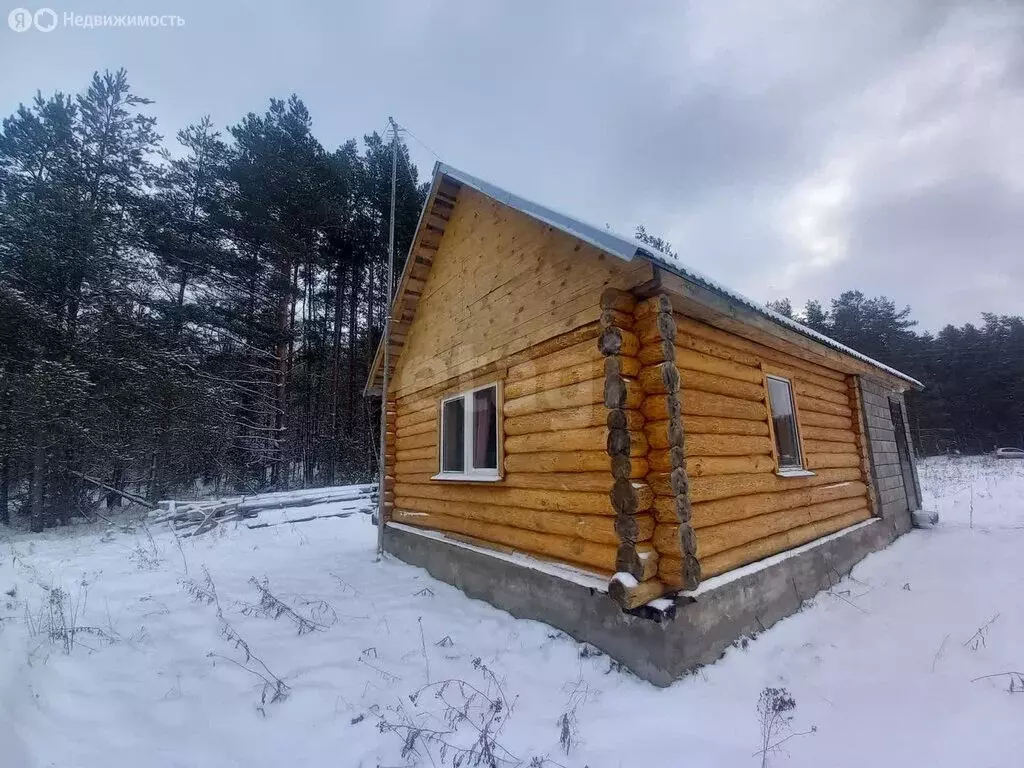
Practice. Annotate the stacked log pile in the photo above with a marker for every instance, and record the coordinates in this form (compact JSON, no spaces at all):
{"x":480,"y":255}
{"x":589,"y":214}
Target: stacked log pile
{"x":199,"y":516}
{"x":555,"y":499}
{"x":741,"y":509}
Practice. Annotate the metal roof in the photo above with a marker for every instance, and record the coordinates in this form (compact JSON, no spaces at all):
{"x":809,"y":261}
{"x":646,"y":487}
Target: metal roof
{"x":628,"y":248}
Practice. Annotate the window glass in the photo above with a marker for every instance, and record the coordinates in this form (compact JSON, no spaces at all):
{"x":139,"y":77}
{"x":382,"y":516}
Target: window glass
{"x":787,"y":439}
{"x":485,"y":428}
{"x":453,"y":427}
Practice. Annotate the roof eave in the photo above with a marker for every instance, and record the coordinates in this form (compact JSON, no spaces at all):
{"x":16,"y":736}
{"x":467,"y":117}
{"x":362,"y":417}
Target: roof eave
{"x":778,"y":323}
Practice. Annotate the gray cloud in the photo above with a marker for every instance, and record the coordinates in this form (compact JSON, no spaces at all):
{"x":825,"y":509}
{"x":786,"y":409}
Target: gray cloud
{"x":785,"y":148}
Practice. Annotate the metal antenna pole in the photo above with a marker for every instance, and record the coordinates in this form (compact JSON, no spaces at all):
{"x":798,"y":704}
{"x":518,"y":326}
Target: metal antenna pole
{"x":387,"y":342}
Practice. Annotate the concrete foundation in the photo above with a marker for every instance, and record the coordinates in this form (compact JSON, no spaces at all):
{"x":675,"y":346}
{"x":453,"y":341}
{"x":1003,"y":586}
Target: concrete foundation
{"x":657,"y":646}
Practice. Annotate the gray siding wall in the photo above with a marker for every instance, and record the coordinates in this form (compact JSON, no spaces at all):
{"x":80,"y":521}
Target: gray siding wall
{"x":885,"y":460}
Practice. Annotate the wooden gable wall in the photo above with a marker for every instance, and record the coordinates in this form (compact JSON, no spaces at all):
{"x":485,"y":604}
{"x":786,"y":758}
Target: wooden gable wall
{"x":508,"y":299}
{"x":500,"y":283}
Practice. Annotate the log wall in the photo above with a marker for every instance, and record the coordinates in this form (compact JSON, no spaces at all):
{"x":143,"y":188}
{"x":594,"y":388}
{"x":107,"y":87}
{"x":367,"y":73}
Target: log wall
{"x":564,"y":454}
{"x":742,"y":510}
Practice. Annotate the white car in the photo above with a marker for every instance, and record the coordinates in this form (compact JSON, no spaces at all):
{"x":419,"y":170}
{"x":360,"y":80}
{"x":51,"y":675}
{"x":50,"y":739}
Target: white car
{"x":1009,"y":453}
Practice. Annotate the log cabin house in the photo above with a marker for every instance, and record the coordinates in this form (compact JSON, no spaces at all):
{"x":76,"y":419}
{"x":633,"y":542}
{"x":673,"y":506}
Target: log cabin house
{"x":584,"y":430}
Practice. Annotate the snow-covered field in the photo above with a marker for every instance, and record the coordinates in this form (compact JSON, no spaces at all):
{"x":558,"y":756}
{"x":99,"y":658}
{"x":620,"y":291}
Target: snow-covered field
{"x":883,"y":666}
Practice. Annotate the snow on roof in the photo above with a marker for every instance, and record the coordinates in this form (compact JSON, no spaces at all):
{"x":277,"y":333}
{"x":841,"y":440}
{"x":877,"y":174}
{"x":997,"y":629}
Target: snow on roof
{"x":628,"y":248}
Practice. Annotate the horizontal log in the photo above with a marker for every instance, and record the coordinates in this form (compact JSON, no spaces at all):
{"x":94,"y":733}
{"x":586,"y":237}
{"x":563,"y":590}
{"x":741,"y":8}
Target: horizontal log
{"x":827,"y":446}
{"x":633,"y":529}
{"x":417,"y":466}
{"x":806,"y":389}
{"x":805,"y":403}
{"x":427,"y":452}
{"x":615,"y":341}
{"x":588,"y":371}
{"x":574,"y":395}
{"x":622,"y":393}
{"x":831,"y":421}
{"x":666,"y":539}
{"x":497,"y":369}
{"x":724,"y":486}
{"x":598,"y":482}
{"x":419,"y":417}
{"x":779,"y":542}
{"x":659,"y":379}
{"x":727,"y":445}
{"x":570,"y":549}
{"x":719,"y":425}
{"x":613,"y":318}
{"x":671,"y":509}
{"x":408,"y":406}
{"x":619,"y":418}
{"x":587,"y":439}
{"x":719,"y":385}
{"x":423,"y":440}
{"x":698,"y":361}
{"x":652,"y":328}
{"x":635,"y":595}
{"x":626,"y":367}
{"x":718,"y":538}
{"x":617,"y":299}
{"x":639,"y":560}
{"x":681,"y":573}
{"x":704,"y":346}
{"x":576,"y":502}
{"x":652,"y":305}
{"x":710,"y":513}
{"x":827,"y":460}
{"x":660,"y":407}
{"x":694,"y":403}
{"x":672,"y":483}
{"x":549,"y":421}
{"x":705,"y":466}
{"x":825,"y":433}
{"x":665,"y":459}
{"x":576,"y":461}
{"x":664,"y":434}
{"x":629,"y":497}
{"x":597,"y":528}
{"x":656,"y":352}
{"x":621,"y":442}
{"x":688,"y":325}
{"x":417,"y":429}
{"x":580,"y":353}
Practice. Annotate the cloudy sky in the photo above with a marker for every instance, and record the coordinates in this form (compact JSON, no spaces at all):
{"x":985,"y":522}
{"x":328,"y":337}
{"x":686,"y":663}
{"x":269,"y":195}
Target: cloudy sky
{"x":787,"y":148}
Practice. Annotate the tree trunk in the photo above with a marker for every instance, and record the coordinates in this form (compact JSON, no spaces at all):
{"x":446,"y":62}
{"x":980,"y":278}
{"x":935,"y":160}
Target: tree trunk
{"x":5,"y":485}
{"x":278,"y":470}
{"x":113,"y":499}
{"x":339,"y":315}
{"x":38,"y":482}
{"x":353,"y":347}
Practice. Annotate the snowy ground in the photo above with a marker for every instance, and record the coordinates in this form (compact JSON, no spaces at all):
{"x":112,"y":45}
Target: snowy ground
{"x":881,"y":666}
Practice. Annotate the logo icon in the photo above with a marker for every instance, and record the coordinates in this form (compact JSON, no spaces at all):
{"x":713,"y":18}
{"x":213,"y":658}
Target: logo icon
{"x":20,"y":19}
{"x":45,"y":19}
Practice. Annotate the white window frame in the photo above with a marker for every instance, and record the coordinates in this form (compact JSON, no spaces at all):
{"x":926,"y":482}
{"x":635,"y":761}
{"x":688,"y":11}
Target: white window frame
{"x":795,"y":470}
{"x":471,"y":473}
